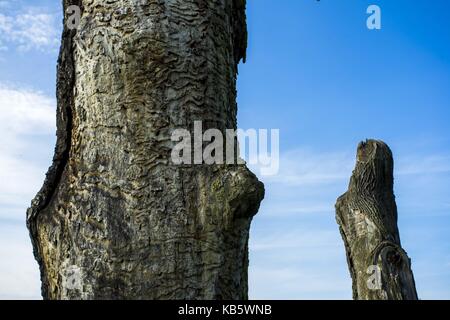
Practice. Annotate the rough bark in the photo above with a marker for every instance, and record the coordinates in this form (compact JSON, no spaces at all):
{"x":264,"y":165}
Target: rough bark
{"x":115,"y":218}
{"x":367,"y":218}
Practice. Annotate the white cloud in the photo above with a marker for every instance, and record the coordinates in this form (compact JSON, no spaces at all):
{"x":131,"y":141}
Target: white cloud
{"x":303,"y":167}
{"x":308,"y":168}
{"x":31,"y":29}
{"x":298,"y":264}
{"x":297,"y":283}
{"x":20,"y":181}
{"x":296,"y":251}
{"x":26,"y":111}
{"x":301,"y":206}
{"x":19,"y":272}
{"x":308,"y":183}
{"x":24,"y":115}
{"x":417,"y":165}
{"x":296,"y":239}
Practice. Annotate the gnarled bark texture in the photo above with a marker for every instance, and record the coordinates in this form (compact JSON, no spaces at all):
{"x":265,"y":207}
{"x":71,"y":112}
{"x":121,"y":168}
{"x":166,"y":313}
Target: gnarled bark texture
{"x":115,"y":218}
{"x":367,"y":218}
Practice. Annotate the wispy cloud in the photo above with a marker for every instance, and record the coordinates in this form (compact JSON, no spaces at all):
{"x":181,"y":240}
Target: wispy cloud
{"x":25,"y":111}
{"x":298,"y":264}
{"x":28,"y":29}
{"x":297,"y":283}
{"x":296,"y":239}
{"x":25,"y":115}
{"x":295,"y":247}
{"x":27,"y":131}
{"x":19,"y":272}
{"x":425,"y":164}
{"x":303,"y":167}
{"x":308,"y":183}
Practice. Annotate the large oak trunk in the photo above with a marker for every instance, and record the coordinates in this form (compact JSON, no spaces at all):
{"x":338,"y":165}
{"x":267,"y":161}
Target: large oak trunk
{"x":116,"y":219}
{"x":367,"y":217}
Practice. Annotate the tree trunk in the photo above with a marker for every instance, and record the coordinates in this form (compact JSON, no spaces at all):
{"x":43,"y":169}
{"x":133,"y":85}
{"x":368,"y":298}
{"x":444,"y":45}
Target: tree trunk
{"x":367,"y":218}
{"x":116,"y":219}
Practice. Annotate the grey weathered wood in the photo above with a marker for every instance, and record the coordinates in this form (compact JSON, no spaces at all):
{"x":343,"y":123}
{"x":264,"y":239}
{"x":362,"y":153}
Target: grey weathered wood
{"x":367,"y":218}
{"x":115,"y":219}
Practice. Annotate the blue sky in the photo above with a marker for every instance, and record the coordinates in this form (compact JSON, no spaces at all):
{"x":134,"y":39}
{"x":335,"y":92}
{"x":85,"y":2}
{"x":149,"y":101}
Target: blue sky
{"x":315,"y":72}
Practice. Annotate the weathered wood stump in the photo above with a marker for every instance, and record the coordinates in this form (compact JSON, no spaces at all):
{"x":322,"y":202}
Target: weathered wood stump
{"x":367,"y":218}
